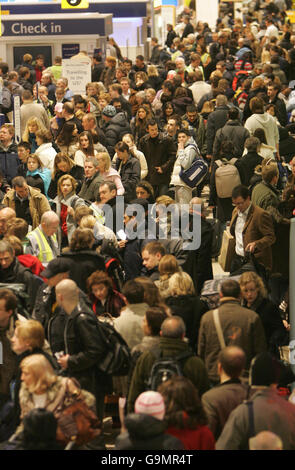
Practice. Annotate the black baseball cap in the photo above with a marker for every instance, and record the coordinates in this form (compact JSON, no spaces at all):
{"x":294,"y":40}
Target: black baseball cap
{"x":57,"y":266}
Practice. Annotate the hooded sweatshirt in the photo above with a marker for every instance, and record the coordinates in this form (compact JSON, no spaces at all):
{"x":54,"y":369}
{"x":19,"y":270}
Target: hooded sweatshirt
{"x":184,"y":159}
{"x":267,"y":123}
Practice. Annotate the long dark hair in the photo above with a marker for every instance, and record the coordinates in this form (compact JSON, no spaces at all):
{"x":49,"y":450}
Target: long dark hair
{"x":90,"y":149}
{"x":183,"y":405}
{"x":65,"y":136}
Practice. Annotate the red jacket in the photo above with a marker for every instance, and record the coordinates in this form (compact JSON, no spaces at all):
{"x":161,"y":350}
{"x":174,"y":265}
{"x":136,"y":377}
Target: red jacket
{"x":31,"y":262}
{"x":200,"y":438}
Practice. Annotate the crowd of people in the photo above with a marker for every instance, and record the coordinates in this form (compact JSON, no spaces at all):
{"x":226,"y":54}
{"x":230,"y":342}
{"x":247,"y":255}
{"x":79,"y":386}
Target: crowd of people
{"x":101,"y":202}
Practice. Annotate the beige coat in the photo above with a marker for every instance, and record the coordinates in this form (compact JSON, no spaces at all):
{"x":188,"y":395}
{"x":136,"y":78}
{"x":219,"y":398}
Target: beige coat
{"x":38,"y":204}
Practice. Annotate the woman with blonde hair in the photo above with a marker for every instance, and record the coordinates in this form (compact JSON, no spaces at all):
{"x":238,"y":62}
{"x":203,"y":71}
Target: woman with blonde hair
{"x":108,"y":173}
{"x":184,"y":302}
{"x":64,"y":165}
{"x":42,"y":388}
{"x":28,"y":339}
{"x":33,"y":125}
{"x":167,"y":267}
{"x":66,"y":202}
{"x":141,"y":81}
{"x":37,"y":176}
{"x":154,"y":80}
{"x":254,"y":297}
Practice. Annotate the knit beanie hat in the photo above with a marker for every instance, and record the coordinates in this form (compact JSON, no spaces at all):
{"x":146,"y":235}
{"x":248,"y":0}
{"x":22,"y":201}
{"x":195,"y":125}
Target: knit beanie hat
{"x":150,"y":403}
{"x":109,"y":110}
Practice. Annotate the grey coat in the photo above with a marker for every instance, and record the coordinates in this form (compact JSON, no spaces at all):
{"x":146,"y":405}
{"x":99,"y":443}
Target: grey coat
{"x":271,"y":412}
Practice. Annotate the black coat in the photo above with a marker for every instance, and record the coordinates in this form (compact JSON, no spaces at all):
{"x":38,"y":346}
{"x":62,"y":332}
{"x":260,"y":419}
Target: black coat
{"x":86,"y":349}
{"x":144,"y":432}
{"x":114,"y":130}
{"x":190,"y":308}
{"x":246,"y":166}
{"x":52,"y":317}
{"x":200,"y":259}
{"x":130,"y":176}
{"x":161,"y":152}
{"x":271,"y":320}
{"x":76,"y":172}
{"x":216,"y":120}
{"x":85,"y":262}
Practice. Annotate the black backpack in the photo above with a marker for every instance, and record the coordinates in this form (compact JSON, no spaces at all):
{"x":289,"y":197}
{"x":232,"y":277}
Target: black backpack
{"x":117,"y":360}
{"x":22,"y":297}
{"x":164,"y":368}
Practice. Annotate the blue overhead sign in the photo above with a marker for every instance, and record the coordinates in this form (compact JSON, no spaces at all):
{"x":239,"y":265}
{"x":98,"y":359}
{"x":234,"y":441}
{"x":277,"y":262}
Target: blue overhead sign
{"x":56,"y":27}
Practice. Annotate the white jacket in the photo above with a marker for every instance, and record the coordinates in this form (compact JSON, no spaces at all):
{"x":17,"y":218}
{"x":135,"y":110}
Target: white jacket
{"x":267,"y":123}
{"x":184,"y":159}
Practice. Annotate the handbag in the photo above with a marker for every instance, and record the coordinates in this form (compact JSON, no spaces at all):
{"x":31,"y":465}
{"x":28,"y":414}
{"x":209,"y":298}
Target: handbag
{"x":76,"y":422}
{"x":195,"y":174}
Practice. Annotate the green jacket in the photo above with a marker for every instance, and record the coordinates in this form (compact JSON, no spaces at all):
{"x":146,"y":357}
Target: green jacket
{"x":267,"y":197}
{"x":193,"y":369}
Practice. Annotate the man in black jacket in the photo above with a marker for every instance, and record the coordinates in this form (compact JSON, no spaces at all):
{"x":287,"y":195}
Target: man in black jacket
{"x":51,"y":316}
{"x":97,"y":68}
{"x":84,"y":348}
{"x":128,"y":167}
{"x":233,"y":131}
{"x":12,"y":272}
{"x":272,"y":92}
{"x":160,"y":155}
{"x":216,"y":120}
{"x":115,"y":126}
{"x":189,"y":29}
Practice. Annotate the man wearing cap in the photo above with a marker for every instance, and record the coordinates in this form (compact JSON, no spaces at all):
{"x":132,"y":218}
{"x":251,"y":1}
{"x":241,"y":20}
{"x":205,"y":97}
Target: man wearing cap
{"x":115,"y":126}
{"x":46,"y":310}
{"x":43,"y":239}
{"x":269,"y":411}
{"x":145,"y":429}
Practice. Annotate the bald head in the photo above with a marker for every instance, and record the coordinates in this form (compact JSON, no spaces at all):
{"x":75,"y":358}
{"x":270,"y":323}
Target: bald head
{"x":49,"y":223}
{"x":67,"y":294}
{"x":231,"y":361}
{"x":173,"y":327}
{"x":266,"y":440}
{"x":6,"y":214}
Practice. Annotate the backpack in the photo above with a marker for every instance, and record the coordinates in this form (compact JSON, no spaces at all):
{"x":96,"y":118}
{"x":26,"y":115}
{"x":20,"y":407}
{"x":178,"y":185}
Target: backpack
{"x":22,"y":297}
{"x":113,"y":264}
{"x":227,"y":177}
{"x":164,"y":368}
{"x":117,"y":361}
